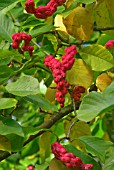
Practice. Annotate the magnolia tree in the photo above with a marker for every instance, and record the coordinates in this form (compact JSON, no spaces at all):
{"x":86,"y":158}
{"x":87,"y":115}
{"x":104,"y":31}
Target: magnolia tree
{"x":56,"y":85}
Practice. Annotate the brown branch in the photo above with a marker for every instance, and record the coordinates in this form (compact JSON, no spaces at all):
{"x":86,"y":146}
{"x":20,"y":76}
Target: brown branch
{"x":46,"y":125}
{"x":103,"y":28}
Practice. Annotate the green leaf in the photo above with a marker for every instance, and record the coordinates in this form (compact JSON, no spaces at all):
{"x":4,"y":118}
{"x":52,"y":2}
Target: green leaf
{"x":6,"y":27}
{"x":109,"y":159}
{"x":96,"y":103}
{"x":42,"y":167}
{"x":6,"y":56}
{"x":10,"y":126}
{"x":5,"y":73}
{"x":7,"y":103}
{"x":31,"y":21}
{"x":16,"y":142}
{"x":9,"y":6}
{"x":40,"y":29}
{"x":103,"y":39}
{"x":4,"y":144}
{"x":41,"y":102}
{"x":84,"y":157}
{"x":96,"y":146}
{"x":4,"y":4}
{"x":97,"y":57}
{"x":25,"y":85}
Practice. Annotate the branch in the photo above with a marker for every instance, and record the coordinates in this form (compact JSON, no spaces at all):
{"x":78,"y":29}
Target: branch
{"x":103,"y":28}
{"x":46,"y":125}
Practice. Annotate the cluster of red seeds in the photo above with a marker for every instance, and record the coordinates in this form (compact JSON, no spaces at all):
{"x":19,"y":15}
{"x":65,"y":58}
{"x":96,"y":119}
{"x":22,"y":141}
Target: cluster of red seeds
{"x":76,"y":93}
{"x":59,"y":71}
{"x":110,"y":45}
{"x":69,"y":159}
{"x":17,"y":37}
{"x":43,"y":11}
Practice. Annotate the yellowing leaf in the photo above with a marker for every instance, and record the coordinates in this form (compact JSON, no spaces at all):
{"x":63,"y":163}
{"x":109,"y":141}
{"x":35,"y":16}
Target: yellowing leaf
{"x":4,"y":144}
{"x":103,"y":81}
{"x":58,"y":22}
{"x":79,"y":129}
{"x":80,"y":74}
{"x":44,"y":143}
{"x":103,"y":17}
{"x":57,"y":165}
{"x":79,"y":23}
{"x":50,"y":93}
{"x":110,"y":5}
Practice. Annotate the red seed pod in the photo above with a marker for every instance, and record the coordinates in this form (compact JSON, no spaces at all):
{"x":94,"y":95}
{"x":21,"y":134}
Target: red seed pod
{"x":43,"y":11}
{"x":69,"y":159}
{"x":17,"y":37}
{"x":30,"y":167}
{"x":30,"y":6}
{"x":110,"y":45}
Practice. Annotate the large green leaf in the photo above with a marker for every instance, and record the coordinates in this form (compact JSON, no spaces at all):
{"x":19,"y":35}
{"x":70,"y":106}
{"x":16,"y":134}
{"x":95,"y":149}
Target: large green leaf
{"x":97,"y":57}
{"x":40,"y":29}
{"x":7,"y":103}
{"x":25,"y":85}
{"x":10,"y":5}
{"x":109,"y":159}
{"x":96,"y":146}
{"x":95,"y":103}
{"x":85,"y":158}
{"x":6,"y":27}
{"x":41,"y":102}
{"x":10,"y":126}
{"x":4,"y":4}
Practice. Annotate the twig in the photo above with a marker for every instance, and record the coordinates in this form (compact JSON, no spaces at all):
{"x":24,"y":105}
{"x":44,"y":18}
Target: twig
{"x":39,"y":47}
{"x":72,"y":124}
{"x":103,"y":28}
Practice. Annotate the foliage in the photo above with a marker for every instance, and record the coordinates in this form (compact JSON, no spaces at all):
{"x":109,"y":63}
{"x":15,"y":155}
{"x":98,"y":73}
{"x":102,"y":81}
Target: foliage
{"x":31,"y":119}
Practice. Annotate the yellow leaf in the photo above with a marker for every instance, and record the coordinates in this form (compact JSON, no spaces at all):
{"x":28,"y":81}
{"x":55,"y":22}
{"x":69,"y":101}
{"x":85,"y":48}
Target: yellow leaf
{"x":103,"y":81}
{"x":69,"y":2}
{"x":79,"y":129}
{"x":57,"y":165}
{"x":79,"y":23}
{"x":58,"y":22}
{"x":80,"y":74}
{"x":44,"y":143}
{"x":50,"y":93}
